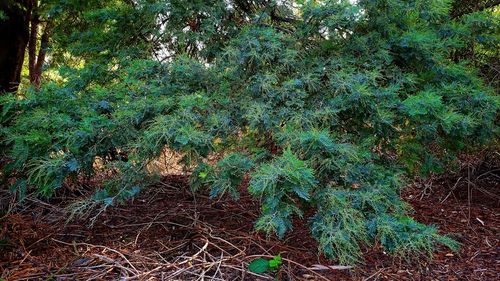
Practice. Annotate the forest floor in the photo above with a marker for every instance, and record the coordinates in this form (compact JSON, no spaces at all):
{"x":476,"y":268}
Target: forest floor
{"x":167,"y":234}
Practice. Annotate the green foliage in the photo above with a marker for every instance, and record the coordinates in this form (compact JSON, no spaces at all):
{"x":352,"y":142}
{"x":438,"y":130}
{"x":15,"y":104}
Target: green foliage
{"x":229,"y":175}
{"x":259,"y":265}
{"x":281,"y":184}
{"x":324,"y":105}
{"x":275,"y":262}
{"x":262,"y":265}
{"x":403,"y":236}
{"x":339,"y":228}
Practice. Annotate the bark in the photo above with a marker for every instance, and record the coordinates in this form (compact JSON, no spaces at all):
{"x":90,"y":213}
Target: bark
{"x":44,"y":41}
{"x":35,"y":61}
{"x":14,"y":37}
{"x":32,"y":45}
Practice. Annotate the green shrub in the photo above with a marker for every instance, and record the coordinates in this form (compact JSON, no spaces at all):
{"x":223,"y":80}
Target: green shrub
{"x":325,"y":105}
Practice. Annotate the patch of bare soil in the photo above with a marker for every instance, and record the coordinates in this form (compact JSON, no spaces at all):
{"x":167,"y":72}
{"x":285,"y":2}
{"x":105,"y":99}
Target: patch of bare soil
{"x":167,"y":234}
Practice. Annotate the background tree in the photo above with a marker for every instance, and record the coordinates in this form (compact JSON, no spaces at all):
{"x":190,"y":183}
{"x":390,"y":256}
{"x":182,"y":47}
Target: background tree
{"x":14,"y":31}
{"x":40,"y":28}
{"x":25,"y":26}
{"x":482,"y":47}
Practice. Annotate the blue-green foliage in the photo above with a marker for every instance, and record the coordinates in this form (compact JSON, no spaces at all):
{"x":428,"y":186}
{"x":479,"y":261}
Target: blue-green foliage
{"x":404,"y":236}
{"x":281,"y":184}
{"x":323,"y":106}
{"x":229,"y":174}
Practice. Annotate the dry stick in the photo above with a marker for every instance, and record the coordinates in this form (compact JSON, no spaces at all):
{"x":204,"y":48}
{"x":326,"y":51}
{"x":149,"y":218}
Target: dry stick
{"x":452,"y":189}
{"x":25,"y":257}
{"x":203,"y":269}
{"x":225,"y":241}
{"x":424,"y":192}
{"x":99,"y":246}
{"x":217,"y":261}
{"x":199,"y":275}
{"x":178,"y":272}
{"x":171,"y":249}
{"x":196,"y":255}
{"x":229,"y":243}
{"x":136,"y":276}
{"x":289,"y":271}
{"x":486,"y":173}
{"x":135,"y":224}
{"x":102,"y":274}
{"x":489,"y":193}
{"x":115,"y":263}
{"x":39,"y":240}
{"x":373,"y":275}
{"x":469,"y":192}
{"x":206,"y":267}
{"x":241,"y":251}
{"x":204,"y":262}
{"x":145,"y":228}
{"x":221,"y":259}
{"x":142,"y":274}
{"x":331,"y":267}
{"x":230,"y":256}
{"x":253,"y":242}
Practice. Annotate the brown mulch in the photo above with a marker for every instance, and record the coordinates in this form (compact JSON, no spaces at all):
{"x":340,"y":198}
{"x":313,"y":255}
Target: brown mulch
{"x":167,"y":234}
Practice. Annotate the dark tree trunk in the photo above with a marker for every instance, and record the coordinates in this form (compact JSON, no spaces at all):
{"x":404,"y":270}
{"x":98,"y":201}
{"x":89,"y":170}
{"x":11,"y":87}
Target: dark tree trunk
{"x":35,"y":61}
{"x":14,"y":36}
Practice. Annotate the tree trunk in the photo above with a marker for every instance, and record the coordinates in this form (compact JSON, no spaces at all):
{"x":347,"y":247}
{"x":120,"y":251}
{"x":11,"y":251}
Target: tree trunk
{"x":33,"y":40}
{"x":14,"y":36}
{"x":36,"y":61}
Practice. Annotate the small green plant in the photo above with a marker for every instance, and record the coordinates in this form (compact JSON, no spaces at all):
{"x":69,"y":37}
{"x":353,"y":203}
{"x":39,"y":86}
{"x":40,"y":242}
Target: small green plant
{"x":275,"y":262}
{"x":262,"y":265}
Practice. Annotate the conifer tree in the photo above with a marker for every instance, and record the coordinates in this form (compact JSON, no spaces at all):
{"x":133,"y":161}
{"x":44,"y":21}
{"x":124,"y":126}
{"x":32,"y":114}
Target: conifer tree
{"x":325,"y":105}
